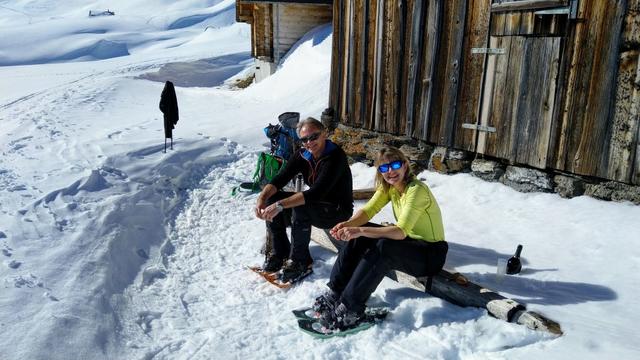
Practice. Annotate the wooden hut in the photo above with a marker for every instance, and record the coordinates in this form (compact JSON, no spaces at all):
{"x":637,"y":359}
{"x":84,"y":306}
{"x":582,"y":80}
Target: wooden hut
{"x":552,"y":84}
{"x":277,"y":25}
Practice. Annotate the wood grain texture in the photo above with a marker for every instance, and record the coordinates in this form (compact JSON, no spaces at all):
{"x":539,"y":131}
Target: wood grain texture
{"x":585,"y":126}
{"x":526,"y":5}
{"x":476,"y":36}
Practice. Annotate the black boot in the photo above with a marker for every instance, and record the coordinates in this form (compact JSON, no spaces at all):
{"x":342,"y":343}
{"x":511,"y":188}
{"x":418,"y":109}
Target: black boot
{"x":272,"y":264}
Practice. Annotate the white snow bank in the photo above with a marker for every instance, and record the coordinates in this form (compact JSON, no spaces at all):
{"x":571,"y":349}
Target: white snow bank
{"x":118,"y":217}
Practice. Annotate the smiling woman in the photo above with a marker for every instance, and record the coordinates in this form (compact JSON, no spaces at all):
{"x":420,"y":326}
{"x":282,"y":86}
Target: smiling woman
{"x":414,"y":245}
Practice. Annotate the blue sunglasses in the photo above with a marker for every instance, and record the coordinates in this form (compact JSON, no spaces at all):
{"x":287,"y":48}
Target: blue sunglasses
{"x":395,"y":165}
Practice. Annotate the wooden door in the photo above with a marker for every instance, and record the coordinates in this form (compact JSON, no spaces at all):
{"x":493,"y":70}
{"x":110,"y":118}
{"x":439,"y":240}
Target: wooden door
{"x":519,"y":95}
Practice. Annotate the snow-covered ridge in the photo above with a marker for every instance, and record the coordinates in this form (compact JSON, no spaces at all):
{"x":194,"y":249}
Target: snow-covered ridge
{"x":75,"y":36}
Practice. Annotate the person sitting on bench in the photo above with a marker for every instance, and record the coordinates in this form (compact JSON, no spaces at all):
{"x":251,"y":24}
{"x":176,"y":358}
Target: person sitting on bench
{"x":414,"y":245}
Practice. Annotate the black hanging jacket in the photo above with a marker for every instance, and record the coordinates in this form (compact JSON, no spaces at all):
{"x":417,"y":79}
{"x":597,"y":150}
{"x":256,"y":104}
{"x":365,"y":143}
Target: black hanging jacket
{"x":169,"y":107}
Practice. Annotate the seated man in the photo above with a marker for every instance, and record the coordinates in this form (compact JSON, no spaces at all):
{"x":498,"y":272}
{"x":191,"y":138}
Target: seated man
{"x":327,"y":202}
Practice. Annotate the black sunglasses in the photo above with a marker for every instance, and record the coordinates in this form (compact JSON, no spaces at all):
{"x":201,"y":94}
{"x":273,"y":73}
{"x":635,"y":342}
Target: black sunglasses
{"x":395,"y":165}
{"x":312,"y":137}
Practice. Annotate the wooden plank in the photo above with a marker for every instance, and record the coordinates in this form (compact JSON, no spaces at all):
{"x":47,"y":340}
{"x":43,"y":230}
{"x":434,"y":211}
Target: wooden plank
{"x":401,"y":68}
{"x":504,"y":94}
{"x":537,"y":93}
{"x":527,"y":23}
{"x":363,"y":64}
{"x":263,"y":24}
{"x":526,"y":5}
{"x":363,"y":194}
{"x":392,"y":60}
{"x":508,"y":147}
{"x":456,"y":289}
{"x":350,"y":92}
{"x":446,"y":77}
{"x":560,"y":141}
{"x":453,"y":72}
{"x":387,"y":50}
{"x":244,"y":12}
{"x":372,"y":71}
{"x":291,"y":22}
{"x":498,"y":22}
{"x":357,"y":62}
{"x":430,"y":52}
{"x":379,"y":69}
{"x":586,"y":130}
{"x":414,"y":44}
{"x":335,"y":76}
{"x":346,"y":53}
{"x":476,"y":35}
{"x":512,"y":23}
{"x":624,"y":139}
{"x":487,"y":96}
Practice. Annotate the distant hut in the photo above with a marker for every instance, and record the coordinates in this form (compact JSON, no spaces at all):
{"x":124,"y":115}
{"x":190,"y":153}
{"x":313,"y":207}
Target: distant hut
{"x":277,"y":25}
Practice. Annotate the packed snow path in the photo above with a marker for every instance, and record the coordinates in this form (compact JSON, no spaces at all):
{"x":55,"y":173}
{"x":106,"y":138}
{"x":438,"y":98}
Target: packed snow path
{"x":202,"y":300}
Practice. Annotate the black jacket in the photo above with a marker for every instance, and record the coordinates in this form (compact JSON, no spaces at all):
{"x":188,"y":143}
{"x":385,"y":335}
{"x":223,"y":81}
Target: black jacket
{"x":169,"y":107}
{"x":329,"y":178}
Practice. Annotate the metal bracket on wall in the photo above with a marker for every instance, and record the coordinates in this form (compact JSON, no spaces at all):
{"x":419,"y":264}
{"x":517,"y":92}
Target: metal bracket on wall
{"x":478,"y":127}
{"x":488,"y":51}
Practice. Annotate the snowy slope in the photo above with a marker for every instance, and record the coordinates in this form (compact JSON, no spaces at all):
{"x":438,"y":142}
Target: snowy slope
{"x":110,"y":248}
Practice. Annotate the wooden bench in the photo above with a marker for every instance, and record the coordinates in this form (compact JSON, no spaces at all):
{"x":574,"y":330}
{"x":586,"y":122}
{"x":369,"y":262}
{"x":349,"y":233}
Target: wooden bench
{"x":455,"y":288}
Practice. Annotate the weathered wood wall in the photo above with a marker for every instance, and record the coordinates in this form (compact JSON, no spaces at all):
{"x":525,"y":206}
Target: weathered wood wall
{"x":260,"y":17}
{"x":292,"y":21}
{"x":277,"y":25}
{"x":563,"y":94}
{"x":584,"y":127}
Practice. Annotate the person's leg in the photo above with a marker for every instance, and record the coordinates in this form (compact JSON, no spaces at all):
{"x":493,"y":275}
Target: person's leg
{"x":348,"y":259}
{"x":321,"y":215}
{"x":277,"y":228}
{"x":301,"y":235}
{"x":415,"y":257}
{"x":366,"y":275}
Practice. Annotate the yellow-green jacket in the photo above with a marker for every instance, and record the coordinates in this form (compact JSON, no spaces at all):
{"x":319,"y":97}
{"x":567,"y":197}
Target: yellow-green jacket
{"x":416,"y":211}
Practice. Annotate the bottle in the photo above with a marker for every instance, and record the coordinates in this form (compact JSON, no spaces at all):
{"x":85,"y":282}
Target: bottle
{"x":514,"y":265}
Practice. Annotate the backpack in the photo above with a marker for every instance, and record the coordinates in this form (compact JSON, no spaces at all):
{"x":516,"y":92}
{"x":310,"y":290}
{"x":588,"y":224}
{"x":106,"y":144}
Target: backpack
{"x":283,"y":136}
{"x":284,"y":143}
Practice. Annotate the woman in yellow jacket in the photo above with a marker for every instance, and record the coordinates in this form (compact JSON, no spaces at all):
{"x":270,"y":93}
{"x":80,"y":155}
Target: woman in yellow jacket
{"x":414,"y":245}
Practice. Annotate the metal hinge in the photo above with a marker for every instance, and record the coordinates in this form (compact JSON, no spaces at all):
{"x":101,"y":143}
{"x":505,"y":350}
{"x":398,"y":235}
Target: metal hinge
{"x":488,"y":51}
{"x":478,"y":127}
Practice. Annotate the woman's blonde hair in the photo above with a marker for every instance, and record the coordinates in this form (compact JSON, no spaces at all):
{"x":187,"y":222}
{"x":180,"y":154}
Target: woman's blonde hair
{"x":389,"y":154}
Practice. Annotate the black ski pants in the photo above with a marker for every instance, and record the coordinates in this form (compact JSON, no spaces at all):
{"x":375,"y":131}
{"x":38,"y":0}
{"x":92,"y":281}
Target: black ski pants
{"x":322,"y":215}
{"x":363,"y":262}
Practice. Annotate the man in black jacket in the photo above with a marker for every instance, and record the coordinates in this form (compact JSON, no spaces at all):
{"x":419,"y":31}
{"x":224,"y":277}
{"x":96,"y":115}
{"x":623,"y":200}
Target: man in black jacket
{"x":327,"y":201}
